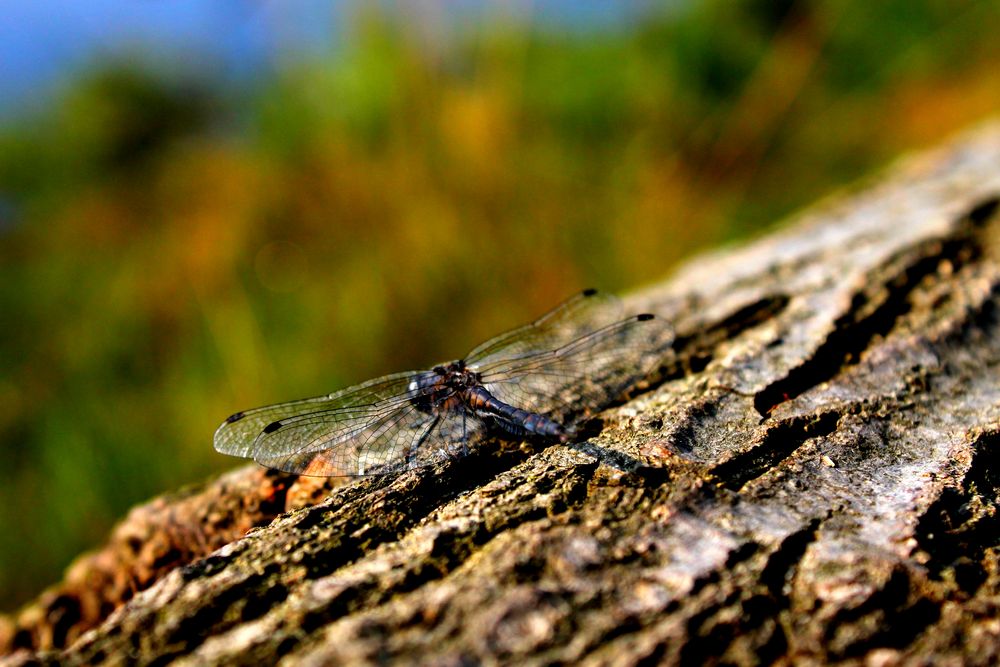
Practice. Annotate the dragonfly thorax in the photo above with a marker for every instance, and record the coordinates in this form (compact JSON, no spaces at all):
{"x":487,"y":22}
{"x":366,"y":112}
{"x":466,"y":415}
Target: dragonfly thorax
{"x":447,"y":385}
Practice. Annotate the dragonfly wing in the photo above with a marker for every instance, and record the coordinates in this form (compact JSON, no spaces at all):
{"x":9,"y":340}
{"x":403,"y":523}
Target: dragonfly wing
{"x":449,"y":435}
{"x":325,"y":445}
{"x":347,"y":410}
{"x":587,"y":311}
{"x":399,"y":440}
{"x":582,"y":376}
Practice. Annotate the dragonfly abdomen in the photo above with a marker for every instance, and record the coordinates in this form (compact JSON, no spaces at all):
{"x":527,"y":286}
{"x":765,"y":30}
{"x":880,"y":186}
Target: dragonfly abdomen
{"x":514,"y":420}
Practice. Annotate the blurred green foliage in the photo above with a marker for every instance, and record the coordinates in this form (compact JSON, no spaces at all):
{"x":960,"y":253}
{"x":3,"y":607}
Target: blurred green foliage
{"x":173,"y":251}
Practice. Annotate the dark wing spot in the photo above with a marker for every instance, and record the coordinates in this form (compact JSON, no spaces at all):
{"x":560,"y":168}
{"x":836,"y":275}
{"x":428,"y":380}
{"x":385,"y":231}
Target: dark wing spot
{"x":590,"y":291}
{"x":644,"y":317}
{"x":235,"y":418}
{"x":272,"y":427}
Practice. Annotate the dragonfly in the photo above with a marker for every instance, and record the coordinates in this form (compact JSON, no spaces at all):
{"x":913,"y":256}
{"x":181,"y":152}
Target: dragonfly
{"x":532,"y":382}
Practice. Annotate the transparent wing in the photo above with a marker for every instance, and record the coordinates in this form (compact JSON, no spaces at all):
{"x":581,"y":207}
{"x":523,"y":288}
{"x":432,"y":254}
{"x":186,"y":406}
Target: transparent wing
{"x":587,"y":311}
{"x":345,"y":412}
{"x":402,"y":439}
{"x":321,"y":444}
{"x":584,"y":375}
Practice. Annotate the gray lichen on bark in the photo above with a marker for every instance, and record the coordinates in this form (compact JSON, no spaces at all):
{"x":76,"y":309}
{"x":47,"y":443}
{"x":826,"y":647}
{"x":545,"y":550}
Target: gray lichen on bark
{"x":816,"y":480}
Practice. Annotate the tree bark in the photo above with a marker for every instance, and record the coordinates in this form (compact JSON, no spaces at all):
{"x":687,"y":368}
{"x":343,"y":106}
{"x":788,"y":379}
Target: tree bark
{"x":810,"y":477}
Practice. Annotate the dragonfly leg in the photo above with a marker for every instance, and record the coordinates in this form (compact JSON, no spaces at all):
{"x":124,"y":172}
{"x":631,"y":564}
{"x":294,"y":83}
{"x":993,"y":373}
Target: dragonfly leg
{"x":410,"y":450}
{"x":464,"y":440}
{"x":362,"y":463}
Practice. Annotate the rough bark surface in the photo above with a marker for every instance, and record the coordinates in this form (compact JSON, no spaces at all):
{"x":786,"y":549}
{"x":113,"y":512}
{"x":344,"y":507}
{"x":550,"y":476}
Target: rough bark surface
{"x":812,"y":477}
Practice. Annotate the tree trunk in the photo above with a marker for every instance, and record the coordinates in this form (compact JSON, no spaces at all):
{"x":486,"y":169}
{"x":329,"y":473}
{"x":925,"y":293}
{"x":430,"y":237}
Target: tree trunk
{"x":812,"y":476}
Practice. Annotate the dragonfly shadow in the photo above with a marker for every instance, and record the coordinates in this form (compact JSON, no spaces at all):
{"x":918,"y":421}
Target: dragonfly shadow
{"x":451,"y":477}
{"x":617,"y":460}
